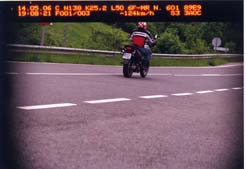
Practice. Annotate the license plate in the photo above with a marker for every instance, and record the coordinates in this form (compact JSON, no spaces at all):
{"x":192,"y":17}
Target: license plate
{"x":127,"y":56}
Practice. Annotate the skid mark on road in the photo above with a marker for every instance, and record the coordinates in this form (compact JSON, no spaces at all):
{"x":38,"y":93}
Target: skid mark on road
{"x":112,"y":100}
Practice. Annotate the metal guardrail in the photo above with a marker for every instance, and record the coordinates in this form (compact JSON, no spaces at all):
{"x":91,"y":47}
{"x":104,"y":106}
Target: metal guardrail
{"x":54,"y":49}
{"x":65,"y":50}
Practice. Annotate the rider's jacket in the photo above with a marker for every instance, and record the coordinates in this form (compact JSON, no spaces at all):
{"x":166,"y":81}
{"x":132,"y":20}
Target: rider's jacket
{"x":142,"y":38}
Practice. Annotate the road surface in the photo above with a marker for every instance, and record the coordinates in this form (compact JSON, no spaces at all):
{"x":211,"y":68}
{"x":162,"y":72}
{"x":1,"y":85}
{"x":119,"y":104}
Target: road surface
{"x":69,"y":116}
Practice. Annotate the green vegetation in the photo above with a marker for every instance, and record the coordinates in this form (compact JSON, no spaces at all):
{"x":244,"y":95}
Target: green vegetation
{"x":64,"y":58}
{"x":114,"y":60}
{"x":182,"y":38}
{"x":77,"y":35}
{"x":192,"y":62}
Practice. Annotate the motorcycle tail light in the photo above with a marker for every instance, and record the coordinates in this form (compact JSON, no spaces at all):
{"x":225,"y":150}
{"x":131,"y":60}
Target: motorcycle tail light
{"x":130,"y":49}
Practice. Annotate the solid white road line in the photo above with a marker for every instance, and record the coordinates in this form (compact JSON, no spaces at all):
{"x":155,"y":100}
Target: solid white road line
{"x":211,"y":75}
{"x":107,"y":100}
{"x":153,"y":96}
{"x":159,"y":74}
{"x":199,"y":67}
{"x":220,"y":90}
{"x":204,"y":92}
{"x":187,"y":75}
{"x":111,"y":74}
{"x":75,"y":74}
{"x":182,"y":94}
{"x":47,"y":106}
{"x":232,"y":74}
{"x":204,"y":75}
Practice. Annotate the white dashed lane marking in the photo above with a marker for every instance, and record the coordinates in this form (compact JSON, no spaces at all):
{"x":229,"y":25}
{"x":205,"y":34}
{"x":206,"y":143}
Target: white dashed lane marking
{"x":220,"y":90}
{"x":182,"y":94}
{"x":205,"y":91}
{"x":47,"y":106}
{"x":237,"y":88}
{"x":107,"y":100}
{"x":153,"y":96}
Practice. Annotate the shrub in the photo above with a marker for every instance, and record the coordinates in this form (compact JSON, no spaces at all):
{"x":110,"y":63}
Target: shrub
{"x":170,"y":43}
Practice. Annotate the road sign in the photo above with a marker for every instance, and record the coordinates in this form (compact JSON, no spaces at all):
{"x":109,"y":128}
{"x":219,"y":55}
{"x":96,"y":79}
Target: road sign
{"x":216,"y":41}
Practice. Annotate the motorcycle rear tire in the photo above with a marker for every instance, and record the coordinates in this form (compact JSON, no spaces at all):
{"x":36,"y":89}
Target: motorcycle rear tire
{"x":144,"y":69}
{"x":127,"y":69}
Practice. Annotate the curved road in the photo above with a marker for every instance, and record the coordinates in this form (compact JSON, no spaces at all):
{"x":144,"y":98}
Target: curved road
{"x":90,"y":117}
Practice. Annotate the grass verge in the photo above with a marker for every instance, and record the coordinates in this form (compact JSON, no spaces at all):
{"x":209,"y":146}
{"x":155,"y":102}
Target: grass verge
{"x":114,"y":60}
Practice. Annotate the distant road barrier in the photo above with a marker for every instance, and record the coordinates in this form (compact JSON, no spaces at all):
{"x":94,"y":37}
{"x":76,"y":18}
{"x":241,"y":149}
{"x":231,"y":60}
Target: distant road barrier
{"x":65,"y":50}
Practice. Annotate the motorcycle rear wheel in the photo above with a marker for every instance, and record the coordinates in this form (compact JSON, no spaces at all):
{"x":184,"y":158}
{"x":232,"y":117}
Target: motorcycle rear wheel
{"x":144,"y":69}
{"x":127,"y":69}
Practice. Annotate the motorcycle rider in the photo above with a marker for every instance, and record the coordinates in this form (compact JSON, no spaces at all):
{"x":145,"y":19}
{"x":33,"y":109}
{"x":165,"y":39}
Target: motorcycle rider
{"x":143,"y":39}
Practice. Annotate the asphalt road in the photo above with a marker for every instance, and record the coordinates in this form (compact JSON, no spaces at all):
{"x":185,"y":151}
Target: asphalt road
{"x":66,"y":116}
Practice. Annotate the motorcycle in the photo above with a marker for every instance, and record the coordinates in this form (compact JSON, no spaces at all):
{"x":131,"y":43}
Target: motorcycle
{"x":133,"y":61}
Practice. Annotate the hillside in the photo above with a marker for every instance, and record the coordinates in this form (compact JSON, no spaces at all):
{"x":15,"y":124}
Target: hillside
{"x":85,"y":35}
{"x":78,"y":35}
{"x":188,"y":38}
